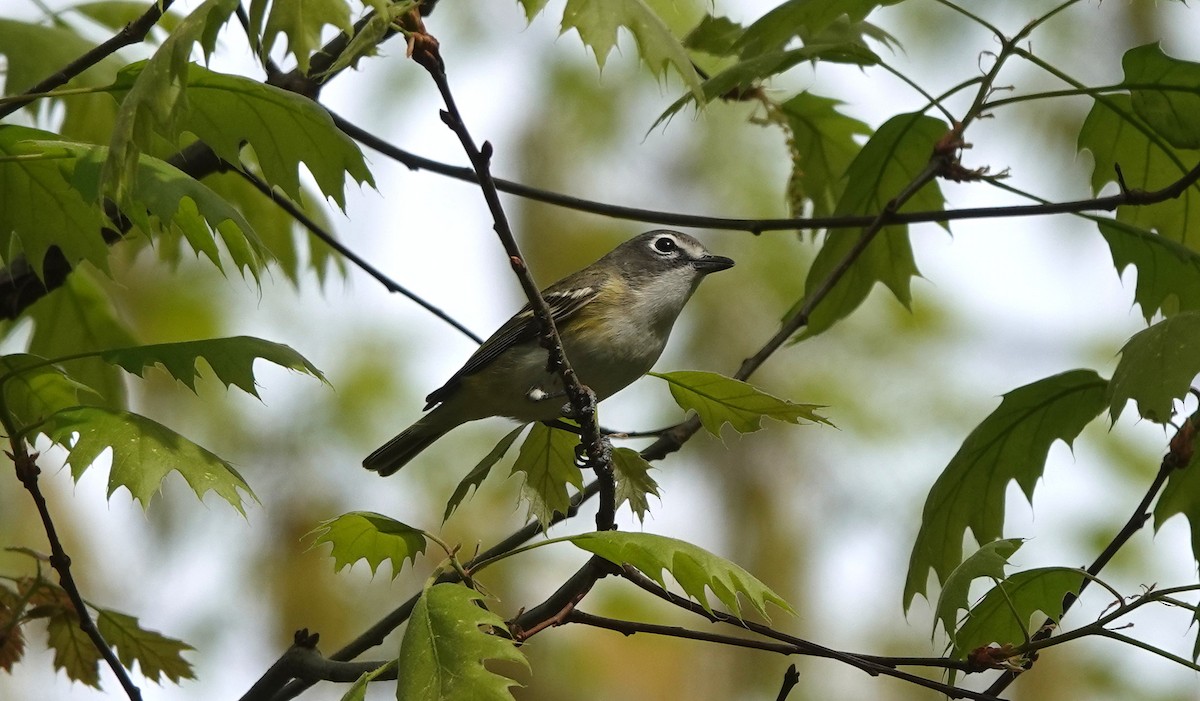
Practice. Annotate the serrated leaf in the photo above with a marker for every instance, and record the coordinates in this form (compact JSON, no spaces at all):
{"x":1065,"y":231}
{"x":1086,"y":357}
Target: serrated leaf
{"x":160,"y":190}
{"x":158,"y":656}
{"x":800,"y":18}
{"x":1011,"y":444}
{"x":1157,"y":366}
{"x":143,"y":453}
{"x":597,"y":22}
{"x":634,"y":483}
{"x":445,"y":646}
{"x":532,"y":7}
{"x":157,"y":97}
{"x":822,"y":145}
{"x":292,"y":247}
{"x":1168,"y":273}
{"x":1004,"y":614}
{"x":285,"y":129}
{"x":231,"y":359}
{"x":546,"y":462}
{"x":987,"y":561}
{"x":365,"y":535}
{"x":693,"y":567}
{"x":301,"y":21}
{"x":34,"y":389}
{"x":480,"y":472}
{"x":41,"y":208}
{"x":1166,"y":93}
{"x":78,"y":317}
{"x":720,"y":400}
{"x":885,"y":166}
{"x":1116,"y":136}
{"x":74,"y":652}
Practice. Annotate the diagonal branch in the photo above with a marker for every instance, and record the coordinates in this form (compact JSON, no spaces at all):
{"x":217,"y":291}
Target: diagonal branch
{"x":133,"y":33}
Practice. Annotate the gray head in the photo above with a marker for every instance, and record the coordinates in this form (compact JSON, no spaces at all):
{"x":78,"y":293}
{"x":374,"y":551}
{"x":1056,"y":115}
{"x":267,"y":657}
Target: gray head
{"x":658,"y":252}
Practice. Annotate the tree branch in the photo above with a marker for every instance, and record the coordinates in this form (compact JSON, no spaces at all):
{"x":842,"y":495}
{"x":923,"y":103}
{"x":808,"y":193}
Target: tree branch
{"x":27,"y":472}
{"x":133,"y":33}
{"x":318,"y":231}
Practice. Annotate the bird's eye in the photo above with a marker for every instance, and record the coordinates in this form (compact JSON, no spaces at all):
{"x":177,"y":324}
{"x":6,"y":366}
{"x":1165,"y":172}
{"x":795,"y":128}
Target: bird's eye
{"x":665,"y":244}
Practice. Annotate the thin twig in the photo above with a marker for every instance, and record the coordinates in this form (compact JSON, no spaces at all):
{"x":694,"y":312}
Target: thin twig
{"x":133,"y":33}
{"x":27,"y":473}
{"x":763,"y":225}
{"x":871,"y":665}
{"x":318,"y":231}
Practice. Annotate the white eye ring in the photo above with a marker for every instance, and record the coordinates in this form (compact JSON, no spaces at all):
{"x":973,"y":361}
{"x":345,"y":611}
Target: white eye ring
{"x":665,"y":245}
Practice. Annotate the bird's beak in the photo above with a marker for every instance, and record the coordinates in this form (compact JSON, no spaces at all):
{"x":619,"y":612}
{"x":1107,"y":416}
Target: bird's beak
{"x":712,"y":264}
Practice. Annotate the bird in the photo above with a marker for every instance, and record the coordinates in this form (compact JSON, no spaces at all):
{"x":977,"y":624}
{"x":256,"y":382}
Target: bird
{"x":613,"y":317}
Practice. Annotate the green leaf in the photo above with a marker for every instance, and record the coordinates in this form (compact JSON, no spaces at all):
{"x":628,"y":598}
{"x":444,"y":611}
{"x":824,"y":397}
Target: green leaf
{"x":714,"y":35}
{"x":1116,"y":136}
{"x":285,"y":130}
{"x":41,"y":208}
{"x":822,"y":146}
{"x":1181,"y":495}
{"x":720,"y":400}
{"x":32,"y":52}
{"x":377,"y":28}
{"x":1168,"y":273}
{"x":1157,"y":366}
{"x":634,"y":482}
{"x":364,"y":535}
{"x":1166,"y":93}
{"x":231,"y":359}
{"x":166,"y":193}
{"x":547,"y":463}
{"x":1004,"y":614}
{"x":800,"y":18}
{"x":597,"y":22}
{"x":34,"y":389}
{"x":447,"y":640}
{"x":143,"y":453}
{"x":988,"y":561}
{"x":358,"y":690}
{"x":532,"y":7}
{"x":293,"y":248}
{"x":301,"y":21}
{"x":745,"y":75}
{"x":158,"y":656}
{"x":74,"y":652}
{"x":885,"y":167}
{"x":1011,"y":444}
{"x":157,"y":98}
{"x":480,"y":472}
{"x":695,"y":568}
{"x":78,"y":317}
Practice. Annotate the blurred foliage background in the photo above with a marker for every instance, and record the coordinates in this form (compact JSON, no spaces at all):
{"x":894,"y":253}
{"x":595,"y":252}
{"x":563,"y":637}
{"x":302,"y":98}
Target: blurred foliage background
{"x":824,"y":516}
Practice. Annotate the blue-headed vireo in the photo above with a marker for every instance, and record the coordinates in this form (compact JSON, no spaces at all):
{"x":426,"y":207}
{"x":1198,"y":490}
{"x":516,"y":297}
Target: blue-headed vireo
{"x":614,"y":317}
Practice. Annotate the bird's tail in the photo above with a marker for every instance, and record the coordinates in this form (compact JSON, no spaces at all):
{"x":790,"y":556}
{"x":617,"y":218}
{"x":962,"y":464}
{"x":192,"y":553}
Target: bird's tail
{"x":397,"y":453}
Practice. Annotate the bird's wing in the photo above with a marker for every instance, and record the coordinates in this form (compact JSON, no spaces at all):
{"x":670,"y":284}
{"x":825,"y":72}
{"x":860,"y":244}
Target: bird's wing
{"x":521,"y":328}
